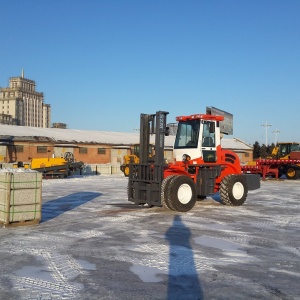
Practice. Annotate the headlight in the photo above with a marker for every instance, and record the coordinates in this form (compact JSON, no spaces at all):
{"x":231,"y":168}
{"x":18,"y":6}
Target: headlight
{"x":186,"y":157}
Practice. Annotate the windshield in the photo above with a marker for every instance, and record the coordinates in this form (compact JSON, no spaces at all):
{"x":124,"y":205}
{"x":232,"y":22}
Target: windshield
{"x":187,"y":134}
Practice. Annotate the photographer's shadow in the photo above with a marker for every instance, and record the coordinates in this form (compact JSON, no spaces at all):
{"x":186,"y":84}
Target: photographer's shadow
{"x":184,"y":280}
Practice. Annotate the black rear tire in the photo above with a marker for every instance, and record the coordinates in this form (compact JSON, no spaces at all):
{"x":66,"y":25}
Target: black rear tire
{"x":233,"y":190}
{"x":180,"y":194}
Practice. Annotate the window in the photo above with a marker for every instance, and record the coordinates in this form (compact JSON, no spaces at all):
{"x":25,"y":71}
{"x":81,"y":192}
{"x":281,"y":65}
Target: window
{"x":19,"y":148}
{"x":101,"y":150}
{"x":295,"y":147}
{"x":187,"y":134}
{"x":41,"y":149}
{"x":83,"y":150}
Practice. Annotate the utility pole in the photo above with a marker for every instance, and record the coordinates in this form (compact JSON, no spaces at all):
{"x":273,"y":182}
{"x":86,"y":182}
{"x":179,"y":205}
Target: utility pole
{"x":266,"y":126}
{"x":275,"y":132}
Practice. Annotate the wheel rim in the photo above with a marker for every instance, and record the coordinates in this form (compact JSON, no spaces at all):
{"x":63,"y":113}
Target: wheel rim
{"x":184,"y":194}
{"x":238,"y":190}
{"x":126,"y":171}
{"x":291,"y":172}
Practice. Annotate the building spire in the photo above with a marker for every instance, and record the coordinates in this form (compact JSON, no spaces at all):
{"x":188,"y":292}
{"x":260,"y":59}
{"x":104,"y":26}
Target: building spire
{"x":22,"y":75}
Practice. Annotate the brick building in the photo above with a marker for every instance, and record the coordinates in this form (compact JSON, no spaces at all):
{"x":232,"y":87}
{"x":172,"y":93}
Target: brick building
{"x":20,"y":144}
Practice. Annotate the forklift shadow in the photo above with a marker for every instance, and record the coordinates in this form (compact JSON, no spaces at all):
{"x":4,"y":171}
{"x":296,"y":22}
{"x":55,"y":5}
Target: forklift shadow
{"x":183,"y":278}
{"x":56,"y":207}
{"x":217,"y":197}
{"x":214,"y":199}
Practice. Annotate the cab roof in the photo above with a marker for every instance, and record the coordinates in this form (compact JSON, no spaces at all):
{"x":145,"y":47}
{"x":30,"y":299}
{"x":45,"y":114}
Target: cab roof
{"x":200,"y":117}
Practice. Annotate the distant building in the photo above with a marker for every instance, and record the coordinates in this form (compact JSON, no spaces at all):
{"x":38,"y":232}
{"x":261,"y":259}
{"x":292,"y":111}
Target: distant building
{"x":7,"y":119}
{"x":59,"y":125}
{"x":172,"y":128}
{"x":22,"y":105}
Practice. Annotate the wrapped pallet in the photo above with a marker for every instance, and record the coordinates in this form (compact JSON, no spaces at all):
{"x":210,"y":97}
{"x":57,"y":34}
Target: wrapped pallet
{"x":20,"y":197}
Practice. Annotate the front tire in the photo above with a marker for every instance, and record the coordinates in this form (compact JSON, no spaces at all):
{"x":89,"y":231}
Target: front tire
{"x":164,"y":188}
{"x":233,"y":190}
{"x":180,"y":195}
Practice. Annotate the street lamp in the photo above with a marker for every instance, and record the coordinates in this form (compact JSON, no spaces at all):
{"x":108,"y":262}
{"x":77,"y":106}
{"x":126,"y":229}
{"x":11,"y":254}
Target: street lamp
{"x":266,"y":126}
{"x":275,"y":132}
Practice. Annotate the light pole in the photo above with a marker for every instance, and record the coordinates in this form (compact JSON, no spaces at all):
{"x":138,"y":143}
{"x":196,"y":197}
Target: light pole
{"x":275,"y":132}
{"x":266,"y":126}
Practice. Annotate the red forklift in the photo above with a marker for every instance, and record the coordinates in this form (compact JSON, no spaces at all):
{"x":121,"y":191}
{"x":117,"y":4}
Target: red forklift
{"x":200,"y":167}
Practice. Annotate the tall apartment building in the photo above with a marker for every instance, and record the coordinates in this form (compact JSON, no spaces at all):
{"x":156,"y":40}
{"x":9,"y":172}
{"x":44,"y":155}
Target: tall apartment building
{"x":21,"y":104}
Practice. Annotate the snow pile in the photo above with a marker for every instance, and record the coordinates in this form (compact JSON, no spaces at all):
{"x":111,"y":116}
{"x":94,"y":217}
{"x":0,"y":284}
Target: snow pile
{"x":17,"y":170}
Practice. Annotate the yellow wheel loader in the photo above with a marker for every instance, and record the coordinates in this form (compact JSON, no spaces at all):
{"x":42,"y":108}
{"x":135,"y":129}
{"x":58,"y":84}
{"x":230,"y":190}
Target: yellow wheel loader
{"x":133,"y":158}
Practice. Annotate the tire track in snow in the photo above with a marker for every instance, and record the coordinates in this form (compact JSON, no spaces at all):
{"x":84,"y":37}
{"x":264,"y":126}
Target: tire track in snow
{"x":60,"y":268}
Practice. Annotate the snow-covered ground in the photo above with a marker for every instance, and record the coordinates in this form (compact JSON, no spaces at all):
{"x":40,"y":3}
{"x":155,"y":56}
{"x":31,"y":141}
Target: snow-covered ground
{"x":94,"y":244}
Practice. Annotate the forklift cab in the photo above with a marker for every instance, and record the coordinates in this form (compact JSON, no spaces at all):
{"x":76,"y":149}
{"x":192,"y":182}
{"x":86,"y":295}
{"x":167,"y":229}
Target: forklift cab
{"x":196,"y":138}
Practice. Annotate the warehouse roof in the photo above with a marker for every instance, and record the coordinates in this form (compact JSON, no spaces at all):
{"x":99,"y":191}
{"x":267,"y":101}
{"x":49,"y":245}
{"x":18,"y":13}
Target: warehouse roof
{"x":57,"y":135}
{"x":235,"y":144}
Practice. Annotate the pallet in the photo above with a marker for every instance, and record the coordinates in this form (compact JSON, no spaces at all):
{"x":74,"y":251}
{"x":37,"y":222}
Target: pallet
{"x":20,"y":198}
{"x":21,"y":223}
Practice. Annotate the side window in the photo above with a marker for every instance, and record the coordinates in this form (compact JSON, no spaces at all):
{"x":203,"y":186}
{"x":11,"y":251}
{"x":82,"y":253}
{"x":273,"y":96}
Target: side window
{"x":83,"y":150}
{"x":19,"y":148}
{"x":101,"y":151}
{"x":208,"y":134}
{"x":41,"y":149}
{"x":295,"y":147}
{"x":283,"y":150}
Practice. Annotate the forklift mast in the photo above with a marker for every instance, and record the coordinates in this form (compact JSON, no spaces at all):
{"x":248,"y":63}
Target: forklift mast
{"x":145,"y":177}
{"x":149,"y":125}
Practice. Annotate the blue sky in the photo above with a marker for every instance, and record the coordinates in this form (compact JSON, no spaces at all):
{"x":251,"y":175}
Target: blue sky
{"x":126,"y":57}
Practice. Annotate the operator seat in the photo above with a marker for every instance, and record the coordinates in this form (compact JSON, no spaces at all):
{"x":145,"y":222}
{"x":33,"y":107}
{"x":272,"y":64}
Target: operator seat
{"x":208,"y":142}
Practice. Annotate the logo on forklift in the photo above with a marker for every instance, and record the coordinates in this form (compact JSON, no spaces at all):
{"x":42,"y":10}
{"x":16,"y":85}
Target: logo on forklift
{"x":161,"y":126}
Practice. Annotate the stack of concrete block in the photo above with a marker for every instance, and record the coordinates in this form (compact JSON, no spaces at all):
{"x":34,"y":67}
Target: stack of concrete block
{"x":20,"y":197}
